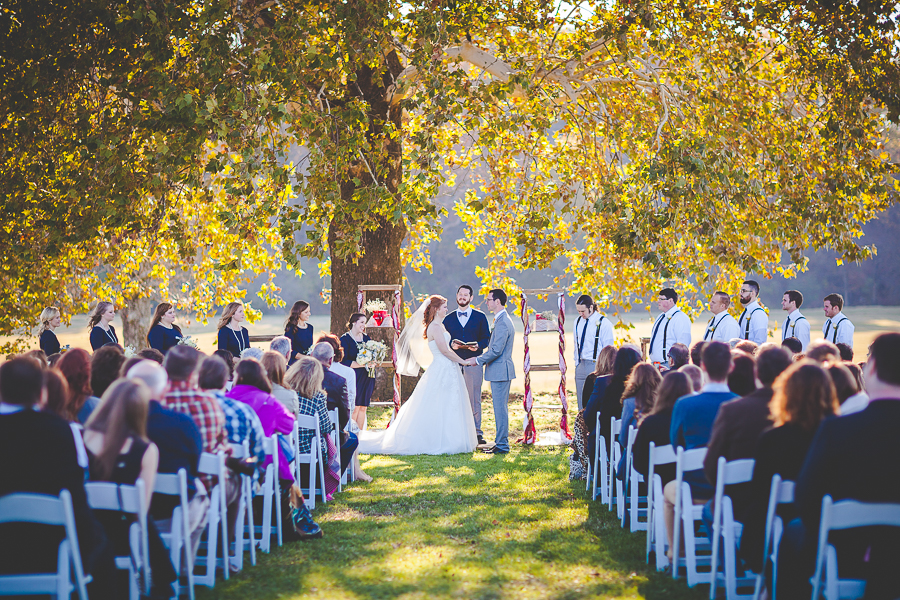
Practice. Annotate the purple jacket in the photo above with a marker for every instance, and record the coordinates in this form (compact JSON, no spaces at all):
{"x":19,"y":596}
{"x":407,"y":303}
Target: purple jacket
{"x":274,"y":417}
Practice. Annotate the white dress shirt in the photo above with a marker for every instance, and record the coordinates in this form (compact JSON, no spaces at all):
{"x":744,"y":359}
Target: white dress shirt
{"x":587,"y":328}
{"x":672,"y":326}
{"x":759,"y":323}
{"x":348,"y":374}
{"x":838,"y":329}
{"x":721,"y":328}
{"x":463,"y":315}
{"x":796,"y":325}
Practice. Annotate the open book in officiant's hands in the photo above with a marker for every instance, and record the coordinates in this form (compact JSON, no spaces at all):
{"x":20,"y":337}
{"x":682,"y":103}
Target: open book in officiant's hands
{"x":459,"y":345}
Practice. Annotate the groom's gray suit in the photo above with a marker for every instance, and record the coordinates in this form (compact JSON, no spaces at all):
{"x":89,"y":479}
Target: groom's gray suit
{"x":500,"y":371}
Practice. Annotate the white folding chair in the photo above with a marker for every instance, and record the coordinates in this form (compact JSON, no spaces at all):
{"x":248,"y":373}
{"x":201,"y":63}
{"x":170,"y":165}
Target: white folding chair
{"x":178,"y":538}
{"x":846,"y":514}
{"x":128,"y":499}
{"x":313,"y":458}
{"x":728,"y":531}
{"x":336,"y":440}
{"x":600,"y":469}
{"x":244,"y":515}
{"x":213,"y":464}
{"x":656,"y":518}
{"x":616,"y":497}
{"x":781,"y":492}
{"x":271,"y":493}
{"x":686,"y":516}
{"x":46,"y":510}
{"x":634,"y":480}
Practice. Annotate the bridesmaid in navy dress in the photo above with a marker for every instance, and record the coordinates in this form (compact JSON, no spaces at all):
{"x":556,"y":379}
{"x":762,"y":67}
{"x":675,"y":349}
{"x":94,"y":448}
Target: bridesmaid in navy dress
{"x":50,"y":320}
{"x":298,"y":330}
{"x":232,"y":335}
{"x":100,"y":324}
{"x":365,"y":385}
{"x":164,"y":333}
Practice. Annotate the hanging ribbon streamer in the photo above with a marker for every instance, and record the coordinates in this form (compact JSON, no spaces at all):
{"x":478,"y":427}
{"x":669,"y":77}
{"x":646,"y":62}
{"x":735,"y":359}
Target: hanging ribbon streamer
{"x":561,"y":320}
{"x":360,"y":299}
{"x":395,"y":317}
{"x":530,"y":434}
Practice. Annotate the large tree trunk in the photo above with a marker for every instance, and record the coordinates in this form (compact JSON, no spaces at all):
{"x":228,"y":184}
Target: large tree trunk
{"x":379,"y":264}
{"x":136,"y":315}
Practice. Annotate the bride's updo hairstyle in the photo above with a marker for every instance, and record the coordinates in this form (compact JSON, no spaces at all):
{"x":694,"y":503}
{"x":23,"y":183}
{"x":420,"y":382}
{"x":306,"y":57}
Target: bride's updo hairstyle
{"x":434,"y":303}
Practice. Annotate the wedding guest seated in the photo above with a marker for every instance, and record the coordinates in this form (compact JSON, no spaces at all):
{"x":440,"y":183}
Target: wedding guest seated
{"x":695,"y":374}
{"x":845,"y":351}
{"x":41,"y":458}
{"x":603,"y":370}
{"x":860,"y":400}
{"x":275,"y":366}
{"x":696,"y":352}
{"x":609,"y":403}
{"x":740,"y":422}
{"x":152,"y":354}
{"x":594,"y":386}
{"x":637,"y":402}
{"x":105,"y":366}
{"x":228,"y":357}
{"x":281,"y":345}
{"x":692,"y":421}
{"x":803,"y":396}
{"x":655,"y":426}
{"x":241,"y":421}
{"x":679,"y":355}
{"x":252,"y":354}
{"x":844,"y":383}
{"x":39,"y":356}
{"x":747,"y":346}
{"x":129,"y":362}
{"x":742,"y":379}
{"x":120,"y":452}
{"x":854,"y":457}
{"x":75,"y":366}
{"x":822,"y":351}
{"x":793,"y":345}
{"x":335,"y":388}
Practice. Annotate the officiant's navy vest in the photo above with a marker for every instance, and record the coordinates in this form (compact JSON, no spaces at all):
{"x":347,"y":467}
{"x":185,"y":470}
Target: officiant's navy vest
{"x":476,"y":330}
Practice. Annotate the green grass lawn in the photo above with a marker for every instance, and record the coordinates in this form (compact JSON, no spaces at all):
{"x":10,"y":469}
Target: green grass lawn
{"x":463,"y":526}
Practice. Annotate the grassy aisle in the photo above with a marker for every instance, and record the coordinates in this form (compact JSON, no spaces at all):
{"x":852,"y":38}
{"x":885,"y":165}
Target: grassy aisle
{"x":464,"y":526}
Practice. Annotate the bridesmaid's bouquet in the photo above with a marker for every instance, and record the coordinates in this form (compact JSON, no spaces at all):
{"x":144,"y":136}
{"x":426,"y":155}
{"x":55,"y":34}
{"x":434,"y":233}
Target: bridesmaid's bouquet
{"x":130,"y":352}
{"x":371,"y":353}
{"x":188,"y":341}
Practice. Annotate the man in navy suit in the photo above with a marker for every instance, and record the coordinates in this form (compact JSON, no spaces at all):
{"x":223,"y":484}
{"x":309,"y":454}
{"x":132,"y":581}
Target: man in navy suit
{"x":467,"y":324}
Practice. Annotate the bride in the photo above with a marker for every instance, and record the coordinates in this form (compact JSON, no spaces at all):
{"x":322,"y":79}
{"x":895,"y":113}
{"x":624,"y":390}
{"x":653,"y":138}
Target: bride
{"x":437,"y":418}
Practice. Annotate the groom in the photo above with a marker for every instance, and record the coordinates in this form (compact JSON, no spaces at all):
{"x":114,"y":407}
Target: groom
{"x":499,"y":368}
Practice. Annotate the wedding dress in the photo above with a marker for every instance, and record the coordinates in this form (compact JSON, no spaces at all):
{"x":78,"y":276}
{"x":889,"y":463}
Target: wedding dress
{"x":437,"y":418}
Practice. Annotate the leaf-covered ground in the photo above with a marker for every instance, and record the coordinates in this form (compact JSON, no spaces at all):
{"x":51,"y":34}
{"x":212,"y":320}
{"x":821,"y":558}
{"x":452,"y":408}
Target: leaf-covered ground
{"x":463,"y":526}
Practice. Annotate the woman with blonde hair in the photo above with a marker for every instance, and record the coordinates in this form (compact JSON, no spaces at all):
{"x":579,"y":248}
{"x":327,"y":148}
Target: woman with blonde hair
{"x":804,"y":395}
{"x":275,"y":366}
{"x":233,"y":336}
{"x":100,"y":324}
{"x":50,"y":320}
{"x":163,"y":332}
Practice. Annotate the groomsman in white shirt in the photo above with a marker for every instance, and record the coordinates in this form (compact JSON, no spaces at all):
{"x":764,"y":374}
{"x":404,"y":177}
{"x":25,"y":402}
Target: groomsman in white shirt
{"x":795,"y":325}
{"x":722,"y":327}
{"x":754,"y":322}
{"x":671,"y":326}
{"x":838,"y":327}
{"x":593,"y":332}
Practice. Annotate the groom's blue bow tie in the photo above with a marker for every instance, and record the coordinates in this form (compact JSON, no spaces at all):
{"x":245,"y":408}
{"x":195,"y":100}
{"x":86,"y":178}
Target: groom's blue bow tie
{"x":463,"y":313}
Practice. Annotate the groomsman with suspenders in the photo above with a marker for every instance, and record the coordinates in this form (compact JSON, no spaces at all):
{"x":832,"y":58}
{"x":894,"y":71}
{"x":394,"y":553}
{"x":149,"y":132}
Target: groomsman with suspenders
{"x":593,"y":332}
{"x":795,"y":325}
{"x":838,"y":327}
{"x":722,"y":327}
{"x":754,"y":322}
{"x":671,"y":326}
{"x":469,"y":325}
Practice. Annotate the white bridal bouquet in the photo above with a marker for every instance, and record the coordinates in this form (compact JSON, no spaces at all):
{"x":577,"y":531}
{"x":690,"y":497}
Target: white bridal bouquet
{"x":188,"y":341}
{"x":130,"y":351}
{"x":371,"y":352}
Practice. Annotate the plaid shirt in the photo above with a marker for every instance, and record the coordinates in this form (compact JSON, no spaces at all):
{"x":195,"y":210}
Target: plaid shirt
{"x":207,"y":415}
{"x":313,"y":406}
{"x":242,"y":423}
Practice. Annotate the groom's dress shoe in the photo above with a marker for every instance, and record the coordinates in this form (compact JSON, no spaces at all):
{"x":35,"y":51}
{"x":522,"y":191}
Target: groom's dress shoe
{"x":495,"y":450}
{"x":481,"y":441}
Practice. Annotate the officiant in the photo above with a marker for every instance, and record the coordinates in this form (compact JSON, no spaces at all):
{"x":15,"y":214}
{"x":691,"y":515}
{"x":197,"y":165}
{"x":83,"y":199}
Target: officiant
{"x":469,"y":326}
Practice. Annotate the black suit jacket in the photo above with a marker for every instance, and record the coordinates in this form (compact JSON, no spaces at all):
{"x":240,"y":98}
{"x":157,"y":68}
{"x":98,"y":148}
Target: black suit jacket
{"x":40,"y":457}
{"x":857,"y":457}
{"x":336,"y":390}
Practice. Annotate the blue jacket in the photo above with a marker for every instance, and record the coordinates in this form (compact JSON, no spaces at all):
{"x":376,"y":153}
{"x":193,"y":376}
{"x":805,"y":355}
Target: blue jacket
{"x":692,"y":421}
{"x":476,"y":330}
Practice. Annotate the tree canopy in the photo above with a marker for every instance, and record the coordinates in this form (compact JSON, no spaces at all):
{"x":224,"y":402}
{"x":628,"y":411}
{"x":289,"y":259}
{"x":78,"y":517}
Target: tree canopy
{"x":645,"y":142}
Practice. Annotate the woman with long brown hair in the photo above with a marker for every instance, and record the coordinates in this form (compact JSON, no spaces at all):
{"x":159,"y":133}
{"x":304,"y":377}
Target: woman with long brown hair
{"x":298,"y":329}
{"x":75,"y":366}
{"x":100,"y":324}
{"x":637,"y":402}
{"x":654,"y":427}
{"x":163,"y":332}
{"x":233,"y":336}
{"x":365,"y":385}
{"x":804,"y":396}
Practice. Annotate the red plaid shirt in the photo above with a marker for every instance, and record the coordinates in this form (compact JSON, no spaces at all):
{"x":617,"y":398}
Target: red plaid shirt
{"x":203,"y":408}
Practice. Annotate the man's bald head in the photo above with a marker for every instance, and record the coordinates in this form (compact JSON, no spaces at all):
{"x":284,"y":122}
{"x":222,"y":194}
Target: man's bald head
{"x":151,"y":373}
